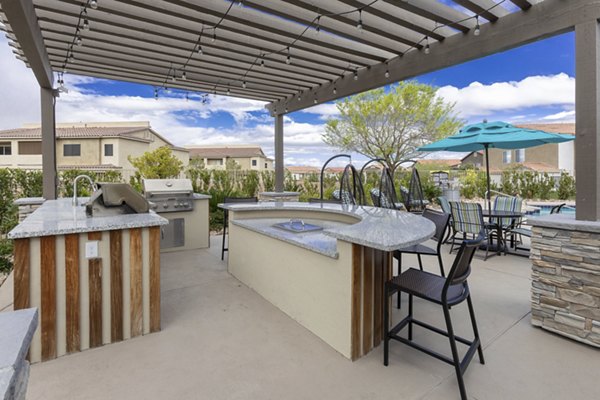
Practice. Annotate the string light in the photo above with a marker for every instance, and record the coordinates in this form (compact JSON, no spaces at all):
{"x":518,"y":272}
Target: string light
{"x":262,"y":60}
{"x":387,"y":74}
{"x":155,"y":93}
{"x":214,"y":36}
{"x":477,"y":30}
{"x":228,"y":91}
{"x":286,"y":110}
{"x":355,"y":75}
{"x":315,"y":101}
{"x":86,"y":24}
{"x":318,"y":27}
{"x":187,"y":97}
{"x":334,"y":90}
{"x":299,"y":98}
{"x":244,"y":84}
{"x":288,"y":59}
{"x":94,"y":4}
{"x":359,"y":25}
{"x":78,"y":39}
{"x":183,"y":76}
{"x":200,"y":49}
{"x":71,"y":57}
{"x":240,"y":3}
{"x":427,"y":50}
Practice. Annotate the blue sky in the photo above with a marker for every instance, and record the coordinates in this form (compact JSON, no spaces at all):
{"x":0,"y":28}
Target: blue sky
{"x":533,"y":83}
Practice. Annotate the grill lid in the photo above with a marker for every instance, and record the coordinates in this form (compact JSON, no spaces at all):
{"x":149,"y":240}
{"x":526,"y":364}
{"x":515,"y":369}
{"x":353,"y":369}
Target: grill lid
{"x":157,"y":186}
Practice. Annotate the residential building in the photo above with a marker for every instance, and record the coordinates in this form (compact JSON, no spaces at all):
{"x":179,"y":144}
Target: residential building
{"x":248,"y":157}
{"x":549,"y":158}
{"x":91,"y":146}
{"x":299,"y":173}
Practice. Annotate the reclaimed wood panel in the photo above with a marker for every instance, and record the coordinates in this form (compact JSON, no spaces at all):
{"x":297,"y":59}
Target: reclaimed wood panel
{"x":378,"y":283}
{"x":21,"y":274}
{"x":355,"y":338}
{"x":95,"y":295}
{"x":154,"y":279}
{"x":367,"y":316}
{"x":48,"y":296}
{"x":72,"y":292}
{"x":135,"y":266}
{"x":116,"y":286}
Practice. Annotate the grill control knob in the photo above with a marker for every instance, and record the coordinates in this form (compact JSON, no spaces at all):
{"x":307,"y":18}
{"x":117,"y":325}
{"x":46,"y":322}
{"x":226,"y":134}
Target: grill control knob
{"x":166,"y":206}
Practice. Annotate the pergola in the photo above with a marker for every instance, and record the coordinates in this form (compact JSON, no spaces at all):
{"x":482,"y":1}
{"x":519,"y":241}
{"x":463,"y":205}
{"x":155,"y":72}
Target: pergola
{"x":294,"y":54}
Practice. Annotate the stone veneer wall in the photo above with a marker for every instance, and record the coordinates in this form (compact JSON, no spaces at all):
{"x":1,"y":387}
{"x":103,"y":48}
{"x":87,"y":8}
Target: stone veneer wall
{"x":28,"y":205}
{"x":565,"y":293}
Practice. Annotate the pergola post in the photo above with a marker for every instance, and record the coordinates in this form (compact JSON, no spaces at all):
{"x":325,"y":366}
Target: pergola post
{"x":279,"y":167}
{"x":48,"y":128}
{"x":587,"y":106}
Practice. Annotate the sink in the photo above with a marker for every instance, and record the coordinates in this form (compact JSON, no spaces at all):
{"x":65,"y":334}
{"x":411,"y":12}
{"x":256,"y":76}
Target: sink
{"x":115,"y":199}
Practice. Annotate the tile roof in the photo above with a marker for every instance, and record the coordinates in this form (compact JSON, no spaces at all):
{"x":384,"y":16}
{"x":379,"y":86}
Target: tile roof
{"x":441,"y":161}
{"x":225,"y":151}
{"x":303,"y":169}
{"x":568,"y":128}
{"x":531,"y":166}
{"x":98,"y":167}
{"x":74,"y":132}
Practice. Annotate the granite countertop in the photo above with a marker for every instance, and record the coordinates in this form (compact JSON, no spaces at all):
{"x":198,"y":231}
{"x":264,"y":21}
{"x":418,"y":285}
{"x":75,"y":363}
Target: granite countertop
{"x":316,"y":241}
{"x":379,"y":228}
{"x":59,"y":217}
{"x":200,"y":196}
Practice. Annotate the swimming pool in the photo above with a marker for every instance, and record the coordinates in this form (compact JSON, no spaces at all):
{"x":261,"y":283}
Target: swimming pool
{"x":544,"y":209}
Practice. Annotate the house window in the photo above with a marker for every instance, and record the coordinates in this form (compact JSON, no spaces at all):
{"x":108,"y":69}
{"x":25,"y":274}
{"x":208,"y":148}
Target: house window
{"x":5,"y":149}
{"x":71,"y":150}
{"x":108,"y":150}
{"x":214,"y":161}
{"x":254,"y":163}
{"x":28,"y":148}
{"x":520,"y":155}
{"x":507,"y":157}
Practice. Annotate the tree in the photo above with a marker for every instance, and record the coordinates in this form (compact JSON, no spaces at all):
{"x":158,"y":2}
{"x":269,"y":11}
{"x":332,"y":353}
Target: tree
{"x":391,"y":125}
{"x":157,"y":164}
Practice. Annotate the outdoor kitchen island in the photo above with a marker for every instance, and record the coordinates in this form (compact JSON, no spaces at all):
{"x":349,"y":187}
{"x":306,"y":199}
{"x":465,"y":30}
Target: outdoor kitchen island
{"x":328,"y":272}
{"x":95,"y":280}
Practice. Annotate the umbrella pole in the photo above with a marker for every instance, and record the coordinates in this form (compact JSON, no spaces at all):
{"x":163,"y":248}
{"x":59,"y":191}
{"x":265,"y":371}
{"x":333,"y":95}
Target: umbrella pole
{"x":487,"y":171}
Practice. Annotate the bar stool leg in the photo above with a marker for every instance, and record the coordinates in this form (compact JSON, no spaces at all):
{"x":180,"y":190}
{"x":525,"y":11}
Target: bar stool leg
{"x":455,"y":357}
{"x":410,"y":314}
{"x":386,"y":325}
{"x":475,"y":330}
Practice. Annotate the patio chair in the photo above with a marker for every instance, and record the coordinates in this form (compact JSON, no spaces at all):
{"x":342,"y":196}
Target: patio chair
{"x":342,"y":197}
{"x":519,"y":230}
{"x":226,"y":217}
{"x":507,"y":203}
{"x":440,"y":220}
{"x":446,"y":292}
{"x":351,"y":189}
{"x":467,"y":219}
{"x":445,"y":205}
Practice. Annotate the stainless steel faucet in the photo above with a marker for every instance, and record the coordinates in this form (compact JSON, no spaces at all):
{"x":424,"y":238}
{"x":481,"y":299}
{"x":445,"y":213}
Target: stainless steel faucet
{"x":92,"y":184}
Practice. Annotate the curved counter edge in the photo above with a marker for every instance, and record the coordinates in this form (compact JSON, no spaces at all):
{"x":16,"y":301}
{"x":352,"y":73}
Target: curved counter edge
{"x":378,"y":228}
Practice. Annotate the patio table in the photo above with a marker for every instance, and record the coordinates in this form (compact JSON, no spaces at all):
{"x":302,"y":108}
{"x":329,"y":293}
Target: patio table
{"x":497,"y":215}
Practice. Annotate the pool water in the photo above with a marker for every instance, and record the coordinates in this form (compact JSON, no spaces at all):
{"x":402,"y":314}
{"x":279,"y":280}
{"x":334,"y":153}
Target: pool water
{"x":545,"y":210}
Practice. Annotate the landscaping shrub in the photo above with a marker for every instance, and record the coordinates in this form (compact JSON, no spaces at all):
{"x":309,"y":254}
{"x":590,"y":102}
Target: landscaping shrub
{"x":566,"y":186}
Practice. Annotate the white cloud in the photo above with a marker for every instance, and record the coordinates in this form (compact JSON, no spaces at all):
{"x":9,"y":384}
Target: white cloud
{"x":566,"y":116}
{"x":325,"y":110}
{"x":535,"y":91}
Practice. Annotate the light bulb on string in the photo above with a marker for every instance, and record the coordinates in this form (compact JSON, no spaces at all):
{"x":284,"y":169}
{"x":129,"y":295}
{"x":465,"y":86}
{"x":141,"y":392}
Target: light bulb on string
{"x":200,"y":49}
{"x":155,"y":93}
{"x":86,"y":24}
{"x":387,"y":74}
{"x":288,"y":59}
{"x":334,"y":90}
{"x":228,"y":91}
{"x":477,"y":30}
{"x":359,"y":25}
{"x":214,"y":36}
{"x":427,"y":49}
{"x":94,"y":4}
{"x":78,"y":39}
{"x":244,"y":84}
{"x":355,"y":75}
{"x":71,"y":57}
{"x":184,"y":76}
{"x":318,"y":27}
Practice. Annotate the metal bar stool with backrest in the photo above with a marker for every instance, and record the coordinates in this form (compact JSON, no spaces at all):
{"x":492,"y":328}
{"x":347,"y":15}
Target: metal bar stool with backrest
{"x":228,"y":200}
{"x":520,"y":230}
{"x":440,"y":220}
{"x":445,"y":205}
{"x":467,"y":219}
{"x":446,"y":292}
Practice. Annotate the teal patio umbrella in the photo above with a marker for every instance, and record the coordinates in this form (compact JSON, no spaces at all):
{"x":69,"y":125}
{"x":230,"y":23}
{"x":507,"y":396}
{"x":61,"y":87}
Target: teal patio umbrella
{"x":500,"y":135}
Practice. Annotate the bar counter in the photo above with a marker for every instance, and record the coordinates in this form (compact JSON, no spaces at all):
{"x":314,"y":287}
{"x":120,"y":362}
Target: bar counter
{"x":86,"y":302}
{"x":330,"y":280}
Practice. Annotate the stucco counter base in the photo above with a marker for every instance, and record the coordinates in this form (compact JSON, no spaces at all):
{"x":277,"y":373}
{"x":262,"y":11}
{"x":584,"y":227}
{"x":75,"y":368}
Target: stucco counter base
{"x":331,"y":282}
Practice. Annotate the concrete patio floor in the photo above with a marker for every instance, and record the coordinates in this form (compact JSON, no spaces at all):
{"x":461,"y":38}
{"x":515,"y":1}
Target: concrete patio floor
{"x":221,"y":340}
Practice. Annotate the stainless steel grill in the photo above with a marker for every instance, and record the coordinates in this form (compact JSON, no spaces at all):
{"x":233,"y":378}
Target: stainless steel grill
{"x":169,"y":195}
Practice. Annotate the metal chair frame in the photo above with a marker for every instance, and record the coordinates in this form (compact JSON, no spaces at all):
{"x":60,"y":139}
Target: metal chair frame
{"x":454,"y":285}
{"x":440,"y":219}
{"x":226,"y":217}
{"x":480,"y":227}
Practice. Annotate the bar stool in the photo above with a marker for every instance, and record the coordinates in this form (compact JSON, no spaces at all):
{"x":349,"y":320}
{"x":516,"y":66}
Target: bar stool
{"x":228,"y":200}
{"x":446,"y":292}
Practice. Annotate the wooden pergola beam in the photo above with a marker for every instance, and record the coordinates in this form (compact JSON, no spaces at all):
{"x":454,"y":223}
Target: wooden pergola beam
{"x":548,"y":18}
